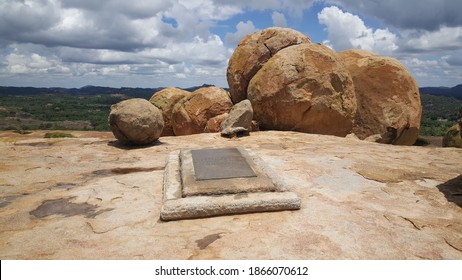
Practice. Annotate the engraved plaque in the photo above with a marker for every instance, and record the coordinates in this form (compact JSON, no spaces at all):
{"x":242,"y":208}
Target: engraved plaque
{"x":210,"y":164}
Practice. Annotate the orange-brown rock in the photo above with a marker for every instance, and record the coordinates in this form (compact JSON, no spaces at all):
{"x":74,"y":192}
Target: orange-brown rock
{"x":388,"y":98}
{"x":191,"y":114}
{"x":165,"y":100}
{"x":304,"y":88}
{"x":253,"y":52}
{"x":214,"y":124}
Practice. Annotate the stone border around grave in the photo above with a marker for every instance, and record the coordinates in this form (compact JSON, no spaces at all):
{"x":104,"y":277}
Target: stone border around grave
{"x":176,"y":207}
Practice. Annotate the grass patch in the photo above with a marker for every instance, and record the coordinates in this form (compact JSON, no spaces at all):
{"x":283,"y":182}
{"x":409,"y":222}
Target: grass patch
{"x":58,"y":135}
{"x":22,"y":131}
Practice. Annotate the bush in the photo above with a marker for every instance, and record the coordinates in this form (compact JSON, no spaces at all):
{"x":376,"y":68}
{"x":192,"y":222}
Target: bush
{"x":58,"y":135}
{"x":23,"y":131}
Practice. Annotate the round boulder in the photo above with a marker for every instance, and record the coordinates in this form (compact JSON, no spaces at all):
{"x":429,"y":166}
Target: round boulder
{"x":191,"y":114}
{"x":304,"y":88}
{"x":253,"y":52}
{"x":453,"y":137}
{"x":165,"y":100}
{"x":388,"y":98}
{"x":136,"y":122}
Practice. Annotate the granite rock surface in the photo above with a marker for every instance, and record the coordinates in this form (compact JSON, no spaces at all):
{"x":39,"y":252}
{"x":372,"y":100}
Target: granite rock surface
{"x":90,"y":198}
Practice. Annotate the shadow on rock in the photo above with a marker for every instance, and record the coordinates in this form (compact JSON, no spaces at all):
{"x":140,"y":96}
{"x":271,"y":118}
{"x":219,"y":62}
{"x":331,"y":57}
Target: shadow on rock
{"x":118,"y":144}
{"x":452,"y":190}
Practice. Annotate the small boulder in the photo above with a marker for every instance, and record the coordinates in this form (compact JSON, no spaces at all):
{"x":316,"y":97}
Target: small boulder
{"x":165,"y":100}
{"x":388,"y":98}
{"x":453,"y":137}
{"x":304,"y":88}
{"x":253,"y":52}
{"x":214,"y":124}
{"x":239,"y":120}
{"x":191,"y":114}
{"x":136,"y":122}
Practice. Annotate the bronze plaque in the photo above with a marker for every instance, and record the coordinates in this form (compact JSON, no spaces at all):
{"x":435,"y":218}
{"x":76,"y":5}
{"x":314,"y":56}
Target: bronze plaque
{"x":225,"y":163}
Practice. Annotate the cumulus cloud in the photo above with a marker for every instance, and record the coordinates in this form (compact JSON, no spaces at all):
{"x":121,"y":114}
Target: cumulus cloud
{"x":293,"y":7}
{"x":279,"y":19}
{"x":443,"y":39}
{"x":412,"y":14}
{"x":242,"y":29}
{"x":185,"y":42}
{"x":348,"y":31}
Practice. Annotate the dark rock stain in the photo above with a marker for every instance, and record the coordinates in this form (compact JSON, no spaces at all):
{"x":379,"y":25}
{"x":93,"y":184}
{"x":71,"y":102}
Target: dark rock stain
{"x":207,"y":240}
{"x":66,"y":186}
{"x":64,"y":206}
{"x":126,"y":170}
{"x":4,"y":201}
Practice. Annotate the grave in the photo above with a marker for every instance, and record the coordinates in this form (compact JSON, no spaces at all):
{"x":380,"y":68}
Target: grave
{"x":209,"y":182}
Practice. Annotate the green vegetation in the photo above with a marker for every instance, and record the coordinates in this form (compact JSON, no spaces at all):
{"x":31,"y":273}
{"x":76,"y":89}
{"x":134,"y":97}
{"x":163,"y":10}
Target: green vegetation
{"x":422,"y":142}
{"x":56,"y":111}
{"x":22,"y":131}
{"x":439,"y":113}
{"x":58,"y":135}
{"x":23,"y":109}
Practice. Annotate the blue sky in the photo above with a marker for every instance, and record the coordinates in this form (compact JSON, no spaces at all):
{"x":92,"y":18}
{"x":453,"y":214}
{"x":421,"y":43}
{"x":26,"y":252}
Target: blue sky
{"x":149,"y":43}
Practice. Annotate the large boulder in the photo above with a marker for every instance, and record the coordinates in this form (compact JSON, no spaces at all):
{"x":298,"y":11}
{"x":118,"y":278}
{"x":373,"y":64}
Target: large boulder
{"x":191,"y":114}
{"x":253,"y":52}
{"x":136,"y":122}
{"x":304,"y":88}
{"x":165,"y":100}
{"x":388,"y":98}
{"x":239,"y":120}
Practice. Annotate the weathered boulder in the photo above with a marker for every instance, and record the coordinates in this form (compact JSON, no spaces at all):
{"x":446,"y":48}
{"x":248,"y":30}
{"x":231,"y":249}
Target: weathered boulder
{"x":453,"y":137}
{"x":239,"y":120}
{"x":304,"y":88}
{"x":214,"y":124}
{"x":252,"y":52}
{"x":136,"y":122}
{"x":191,"y":114}
{"x":165,"y":100}
{"x":388,"y":98}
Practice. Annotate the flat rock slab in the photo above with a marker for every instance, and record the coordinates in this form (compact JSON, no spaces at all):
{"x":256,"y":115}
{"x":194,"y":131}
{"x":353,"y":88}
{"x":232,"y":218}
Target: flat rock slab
{"x":88,"y":198}
{"x":186,"y":196}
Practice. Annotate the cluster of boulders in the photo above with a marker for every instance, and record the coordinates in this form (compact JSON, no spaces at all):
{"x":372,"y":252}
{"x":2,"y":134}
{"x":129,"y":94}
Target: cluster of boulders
{"x":296,"y":85}
{"x":279,"y":80}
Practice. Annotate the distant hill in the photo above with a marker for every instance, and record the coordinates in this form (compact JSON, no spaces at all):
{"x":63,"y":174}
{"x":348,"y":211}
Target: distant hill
{"x":443,"y":91}
{"x":89,"y":90}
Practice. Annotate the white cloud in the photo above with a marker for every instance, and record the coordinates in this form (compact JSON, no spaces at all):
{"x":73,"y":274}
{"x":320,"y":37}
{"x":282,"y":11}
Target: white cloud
{"x":242,"y":29}
{"x":409,"y":14}
{"x":279,"y":19}
{"x":294,"y":7}
{"x":348,"y":31}
{"x":433,"y":71}
{"x":445,"y":38}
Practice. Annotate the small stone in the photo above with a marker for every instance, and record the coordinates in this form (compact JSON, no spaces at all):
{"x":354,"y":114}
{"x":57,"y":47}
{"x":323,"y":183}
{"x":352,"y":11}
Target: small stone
{"x":239,"y":120}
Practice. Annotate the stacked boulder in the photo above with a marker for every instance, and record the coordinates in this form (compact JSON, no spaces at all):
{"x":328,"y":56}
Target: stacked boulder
{"x":295,"y":85}
{"x":165,"y":100}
